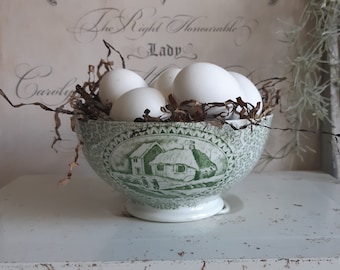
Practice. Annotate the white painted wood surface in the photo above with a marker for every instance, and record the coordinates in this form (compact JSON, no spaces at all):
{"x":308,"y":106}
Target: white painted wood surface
{"x":278,"y":220}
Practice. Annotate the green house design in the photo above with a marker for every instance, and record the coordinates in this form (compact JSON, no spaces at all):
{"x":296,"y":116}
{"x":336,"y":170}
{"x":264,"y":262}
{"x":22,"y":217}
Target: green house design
{"x":141,"y":157}
{"x":183,"y":164}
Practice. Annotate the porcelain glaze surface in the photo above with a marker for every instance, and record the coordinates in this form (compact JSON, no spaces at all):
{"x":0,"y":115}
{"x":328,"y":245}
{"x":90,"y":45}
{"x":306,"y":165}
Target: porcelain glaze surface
{"x":172,"y":166}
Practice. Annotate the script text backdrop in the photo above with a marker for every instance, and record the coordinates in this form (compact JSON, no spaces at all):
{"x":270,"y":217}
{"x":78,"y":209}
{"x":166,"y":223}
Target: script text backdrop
{"x":46,"y":47}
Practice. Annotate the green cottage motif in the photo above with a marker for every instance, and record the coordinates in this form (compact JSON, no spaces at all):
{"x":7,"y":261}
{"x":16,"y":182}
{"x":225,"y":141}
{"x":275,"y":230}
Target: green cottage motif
{"x":171,"y":165}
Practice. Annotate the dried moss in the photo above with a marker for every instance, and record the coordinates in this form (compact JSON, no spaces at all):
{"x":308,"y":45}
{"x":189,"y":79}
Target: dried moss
{"x":310,"y":42}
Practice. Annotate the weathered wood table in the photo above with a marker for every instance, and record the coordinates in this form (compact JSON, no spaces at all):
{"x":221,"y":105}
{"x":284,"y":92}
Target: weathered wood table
{"x":278,"y":220}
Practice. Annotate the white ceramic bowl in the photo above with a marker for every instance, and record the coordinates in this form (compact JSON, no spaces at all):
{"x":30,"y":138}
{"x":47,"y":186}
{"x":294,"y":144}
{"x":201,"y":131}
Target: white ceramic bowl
{"x":172,"y":172}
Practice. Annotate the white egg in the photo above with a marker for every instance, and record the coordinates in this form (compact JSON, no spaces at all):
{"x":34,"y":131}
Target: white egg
{"x":117,"y":82}
{"x":206,"y":83}
{"x":165,"y":81}
{"x":133,"y":103}
{"x":250,"y":93}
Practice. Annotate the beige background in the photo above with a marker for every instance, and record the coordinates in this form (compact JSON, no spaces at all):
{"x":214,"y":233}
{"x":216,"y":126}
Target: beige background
{"x":45,"y":50}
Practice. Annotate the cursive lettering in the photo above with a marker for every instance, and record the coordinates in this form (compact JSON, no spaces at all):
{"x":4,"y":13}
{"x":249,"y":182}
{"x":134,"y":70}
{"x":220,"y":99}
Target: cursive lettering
{"x":113,"y":21}
{"x":136,"y":23}
{"x":31,"y":78}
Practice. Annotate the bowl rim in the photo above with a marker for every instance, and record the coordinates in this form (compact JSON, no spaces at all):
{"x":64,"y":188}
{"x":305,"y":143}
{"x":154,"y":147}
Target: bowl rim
{"x":236,"y":122}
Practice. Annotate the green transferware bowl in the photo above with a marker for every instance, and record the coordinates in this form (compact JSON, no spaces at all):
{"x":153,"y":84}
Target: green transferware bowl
{"x":173,"y":171}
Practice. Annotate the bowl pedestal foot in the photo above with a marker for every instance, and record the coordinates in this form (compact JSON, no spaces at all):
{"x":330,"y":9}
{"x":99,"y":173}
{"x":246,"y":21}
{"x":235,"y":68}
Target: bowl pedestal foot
{"x":204,"y":209}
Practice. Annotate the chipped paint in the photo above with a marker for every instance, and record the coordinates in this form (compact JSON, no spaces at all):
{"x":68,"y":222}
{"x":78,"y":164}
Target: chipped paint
{"x":254,"y":264}
{"x":303,"y":237}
